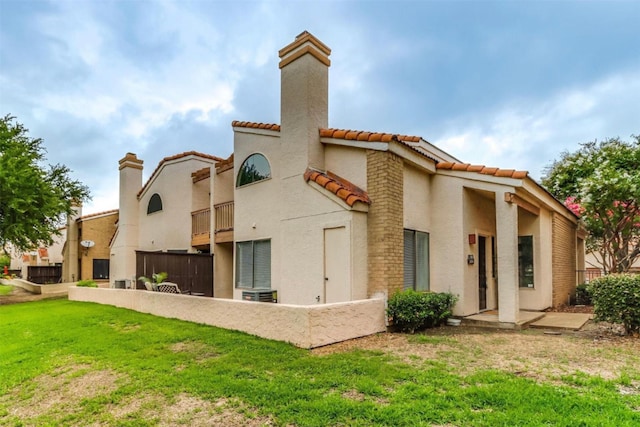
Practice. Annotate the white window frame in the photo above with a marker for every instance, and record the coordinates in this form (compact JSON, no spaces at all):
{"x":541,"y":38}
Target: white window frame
{"x":253,"y":264}
{"x":416,"y":260}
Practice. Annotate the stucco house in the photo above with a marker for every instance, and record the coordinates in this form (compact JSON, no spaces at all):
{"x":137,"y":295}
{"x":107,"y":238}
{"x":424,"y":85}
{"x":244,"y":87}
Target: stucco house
{"x":324,"y":215}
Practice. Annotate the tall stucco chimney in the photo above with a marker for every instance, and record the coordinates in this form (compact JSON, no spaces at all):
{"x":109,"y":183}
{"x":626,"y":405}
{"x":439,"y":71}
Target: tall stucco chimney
{"x":70,"y":266}
{"x":304,"y":74}
{"x":123,"y":250}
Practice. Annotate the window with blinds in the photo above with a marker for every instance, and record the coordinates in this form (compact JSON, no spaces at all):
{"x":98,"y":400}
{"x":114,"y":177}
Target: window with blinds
{"x":416,"y":260}
{"x":253,"y":264}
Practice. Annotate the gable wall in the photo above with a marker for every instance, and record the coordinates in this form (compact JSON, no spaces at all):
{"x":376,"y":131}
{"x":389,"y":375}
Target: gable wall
{"x":170,"y":228}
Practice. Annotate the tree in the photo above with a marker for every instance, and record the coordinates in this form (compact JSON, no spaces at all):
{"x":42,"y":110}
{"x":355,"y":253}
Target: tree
{"x":601,"y":183}
{"x":34,"y":198}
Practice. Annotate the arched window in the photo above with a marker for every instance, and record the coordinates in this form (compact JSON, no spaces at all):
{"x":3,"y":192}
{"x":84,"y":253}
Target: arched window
{"x":155,"y":204}
{"x":255,"y":168}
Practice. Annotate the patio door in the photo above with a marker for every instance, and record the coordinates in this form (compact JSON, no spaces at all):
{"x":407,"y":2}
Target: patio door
{"x":482,"y":272}
{"x":336,"y":265}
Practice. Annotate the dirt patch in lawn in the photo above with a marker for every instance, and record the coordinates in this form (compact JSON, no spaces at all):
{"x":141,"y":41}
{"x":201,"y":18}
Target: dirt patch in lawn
{"x":596,"y":350}
{"x":54,"y":397}
{"x":186,"y":410}
{"x":21,"y":295}
{"x":60,"y":392}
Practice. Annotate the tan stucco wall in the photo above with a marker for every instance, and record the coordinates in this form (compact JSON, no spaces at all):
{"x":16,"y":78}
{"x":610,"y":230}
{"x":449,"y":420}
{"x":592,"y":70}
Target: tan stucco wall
{"x":348,"y":162}
{"x":223,"y":270}
{"x":448,"y":260}
{"x":538,"y":297}
{"x":480,"y":220}
{"x":223,"y":186}
{"x":303,"y":326}
{"x":200,"y":193}
{"x":416,"y":199}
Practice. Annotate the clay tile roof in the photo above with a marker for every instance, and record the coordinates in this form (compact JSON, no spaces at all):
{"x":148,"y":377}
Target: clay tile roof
{"x":342,"y":188}
{"x":176,"y":157}
{"x":84,"y":217}
{"x":225,"y":164}
{"x":201,"y":174}
{"x":466,"y":167}
{"x":267,"y":126}
{"x":359,"y":135}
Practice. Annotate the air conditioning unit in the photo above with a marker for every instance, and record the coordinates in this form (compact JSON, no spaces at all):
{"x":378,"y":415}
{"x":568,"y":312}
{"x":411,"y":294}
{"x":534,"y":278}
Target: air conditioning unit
{"x":260,"y":296}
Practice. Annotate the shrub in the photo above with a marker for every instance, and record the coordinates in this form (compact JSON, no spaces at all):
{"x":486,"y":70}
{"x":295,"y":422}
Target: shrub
{"x":87,"y":283}
{"x":411,"y":311}
{"x":582,"y":294}
{"x":616,"y":299}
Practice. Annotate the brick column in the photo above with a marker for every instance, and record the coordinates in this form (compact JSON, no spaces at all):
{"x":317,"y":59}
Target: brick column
{"x":385,"y":222}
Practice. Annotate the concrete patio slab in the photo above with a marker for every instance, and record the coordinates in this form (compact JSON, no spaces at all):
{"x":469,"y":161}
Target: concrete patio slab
{"x":570,"y":321}
{"x":489,"y":319}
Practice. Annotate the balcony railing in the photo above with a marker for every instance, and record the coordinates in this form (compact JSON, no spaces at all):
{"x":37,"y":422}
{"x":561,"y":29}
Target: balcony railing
{"x":200,"y":227}
{"x":224,"y":216}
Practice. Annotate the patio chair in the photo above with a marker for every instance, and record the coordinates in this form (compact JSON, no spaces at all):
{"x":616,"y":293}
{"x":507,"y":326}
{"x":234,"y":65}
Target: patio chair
{"x":168,"y":287}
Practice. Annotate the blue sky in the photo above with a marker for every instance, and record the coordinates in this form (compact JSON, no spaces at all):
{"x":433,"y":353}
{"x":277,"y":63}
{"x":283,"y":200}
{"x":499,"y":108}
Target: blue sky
{"x":510,"y":84}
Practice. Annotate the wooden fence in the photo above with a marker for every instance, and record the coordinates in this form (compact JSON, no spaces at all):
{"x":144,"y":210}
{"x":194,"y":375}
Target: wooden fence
{"x":191,"y":272}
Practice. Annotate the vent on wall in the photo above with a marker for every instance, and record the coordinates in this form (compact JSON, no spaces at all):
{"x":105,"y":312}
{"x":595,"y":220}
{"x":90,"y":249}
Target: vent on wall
{"x":260,"y":296}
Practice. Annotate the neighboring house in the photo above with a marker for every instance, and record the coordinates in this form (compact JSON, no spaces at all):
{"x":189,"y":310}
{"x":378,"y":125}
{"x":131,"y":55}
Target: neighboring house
{"x":86,"y":249}
{"x":324,"y":215}
{"x":594,"y":267}
{"x":41,"y":257}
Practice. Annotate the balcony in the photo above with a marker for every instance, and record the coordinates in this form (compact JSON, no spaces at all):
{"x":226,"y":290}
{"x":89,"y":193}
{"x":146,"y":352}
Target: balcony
{"x":224,"y":222}
{"x":201,"y":225}
{"x":201,"y":228}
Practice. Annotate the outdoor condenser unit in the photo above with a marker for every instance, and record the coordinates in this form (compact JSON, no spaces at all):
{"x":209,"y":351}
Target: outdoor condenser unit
{"x":260,"y":296}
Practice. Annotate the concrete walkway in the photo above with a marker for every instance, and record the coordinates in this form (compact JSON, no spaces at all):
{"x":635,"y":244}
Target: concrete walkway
{"x":533,"y":319}
{"x":570,"y":321}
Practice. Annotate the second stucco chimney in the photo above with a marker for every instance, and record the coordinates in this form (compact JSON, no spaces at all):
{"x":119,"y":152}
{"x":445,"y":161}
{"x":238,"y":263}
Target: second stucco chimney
{"x":130,"y":183}
{"x":304,"y":100}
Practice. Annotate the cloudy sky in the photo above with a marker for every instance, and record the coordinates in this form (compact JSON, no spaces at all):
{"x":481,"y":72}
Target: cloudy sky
{"x":510,"y":84}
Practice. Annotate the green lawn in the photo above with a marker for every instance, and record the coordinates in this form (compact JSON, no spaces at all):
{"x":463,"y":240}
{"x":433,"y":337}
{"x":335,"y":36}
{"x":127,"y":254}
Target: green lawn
{"x":5,"y":289}
{"x":70,"y":363}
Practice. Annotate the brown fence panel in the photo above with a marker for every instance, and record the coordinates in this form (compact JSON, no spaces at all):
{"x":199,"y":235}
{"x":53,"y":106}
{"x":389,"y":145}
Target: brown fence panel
{"x":192,"y":272}
{"x":44,"y":274}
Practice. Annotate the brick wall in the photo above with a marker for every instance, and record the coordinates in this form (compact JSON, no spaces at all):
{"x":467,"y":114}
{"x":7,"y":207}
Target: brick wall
{"x":100,"y":230}
{"x":563,"y":259}
{"x":384,"y":223}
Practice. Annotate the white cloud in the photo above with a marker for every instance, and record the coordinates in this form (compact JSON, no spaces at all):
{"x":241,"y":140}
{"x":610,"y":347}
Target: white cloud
{"x":530,"y":134}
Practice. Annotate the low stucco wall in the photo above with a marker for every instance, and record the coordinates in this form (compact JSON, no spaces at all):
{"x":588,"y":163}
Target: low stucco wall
{"x":304,"y":326}
{"x":58,"y":288}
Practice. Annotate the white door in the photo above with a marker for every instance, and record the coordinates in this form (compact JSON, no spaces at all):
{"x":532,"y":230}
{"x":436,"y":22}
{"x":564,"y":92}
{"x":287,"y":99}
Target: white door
{"x":337,"y":283}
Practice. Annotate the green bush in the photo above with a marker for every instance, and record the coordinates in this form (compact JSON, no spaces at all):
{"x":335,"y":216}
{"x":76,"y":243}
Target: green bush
{"x":582,"y":294}
{"x":411,"y":311}
{"x":87,"y":283}
{"x":616,"y":299}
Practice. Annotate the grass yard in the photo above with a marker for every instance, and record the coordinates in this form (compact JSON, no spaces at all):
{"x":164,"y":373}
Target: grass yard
{"x":71,"y":363}
{"x":5,"y":289}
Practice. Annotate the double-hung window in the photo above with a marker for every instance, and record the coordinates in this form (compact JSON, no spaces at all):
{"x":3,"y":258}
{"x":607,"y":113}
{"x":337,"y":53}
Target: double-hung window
{"x":253,"y":264}
{"x":416,"y":260}
{"x":525,"y":261}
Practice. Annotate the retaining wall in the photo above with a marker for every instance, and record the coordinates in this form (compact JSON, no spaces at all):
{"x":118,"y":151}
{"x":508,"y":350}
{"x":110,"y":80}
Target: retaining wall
{"x":304,"y":326}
